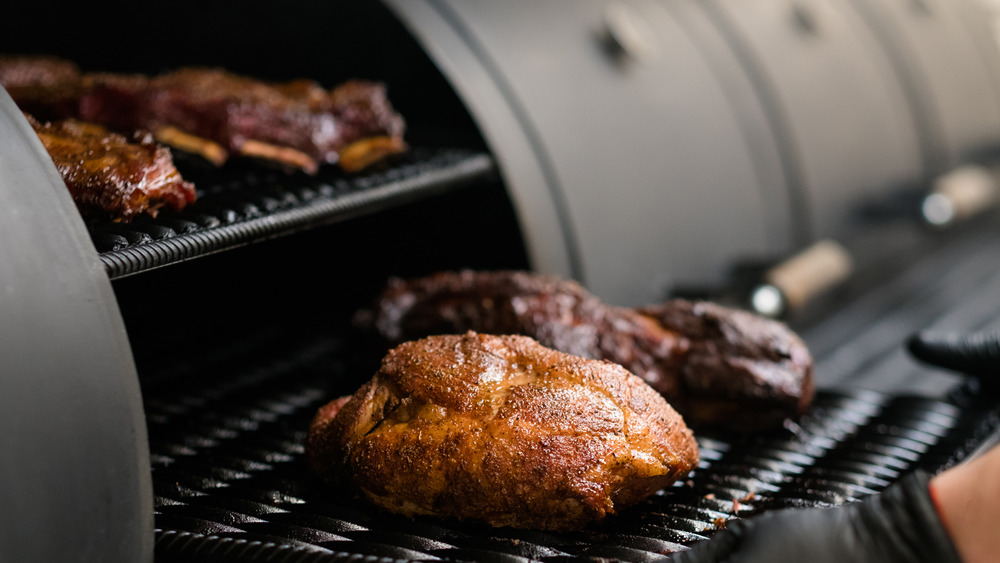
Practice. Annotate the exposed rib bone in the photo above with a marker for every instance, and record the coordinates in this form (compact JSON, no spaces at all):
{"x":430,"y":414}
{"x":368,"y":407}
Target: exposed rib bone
{"x":283,"y":155}
{"x":210,"y":150}
{"x":359,"y":154}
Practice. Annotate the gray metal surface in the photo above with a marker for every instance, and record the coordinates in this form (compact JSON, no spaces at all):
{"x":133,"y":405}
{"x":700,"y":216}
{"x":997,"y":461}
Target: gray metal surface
{"x":779,"y":172}
{"x":548,"y":233}
{"x":837,"y":98}
{"x":651,"y":179}
{"x":653,"y":144}
{"x":74,"y":473}
{"x":952,"y":67}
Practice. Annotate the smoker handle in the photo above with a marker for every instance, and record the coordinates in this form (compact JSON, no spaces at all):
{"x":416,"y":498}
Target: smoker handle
{"x":961,"y":194}
{"x":74,"y":457}
{"x":792,"y":284}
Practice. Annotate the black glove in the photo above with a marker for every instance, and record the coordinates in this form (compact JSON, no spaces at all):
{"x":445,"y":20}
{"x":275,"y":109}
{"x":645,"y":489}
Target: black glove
{"x":899,"y":525}
{"x":976,"y":354}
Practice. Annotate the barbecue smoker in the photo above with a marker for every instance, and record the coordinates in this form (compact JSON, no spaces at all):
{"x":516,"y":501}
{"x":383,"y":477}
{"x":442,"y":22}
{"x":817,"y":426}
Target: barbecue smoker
{"x":826,"y":160}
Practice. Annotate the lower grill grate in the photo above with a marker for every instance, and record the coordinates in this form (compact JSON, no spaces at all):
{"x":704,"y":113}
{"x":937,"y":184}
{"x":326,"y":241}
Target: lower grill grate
{"x":230,"y":484}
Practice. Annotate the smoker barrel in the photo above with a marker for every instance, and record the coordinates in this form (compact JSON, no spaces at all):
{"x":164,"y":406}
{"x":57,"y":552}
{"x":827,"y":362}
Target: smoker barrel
{"x":74,"y":443}
{"x":643,"y":147}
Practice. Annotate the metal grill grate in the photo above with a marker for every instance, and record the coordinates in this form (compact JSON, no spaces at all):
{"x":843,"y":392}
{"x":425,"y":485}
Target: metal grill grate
{"x":230,"y":484}
{"x":241,"y":204}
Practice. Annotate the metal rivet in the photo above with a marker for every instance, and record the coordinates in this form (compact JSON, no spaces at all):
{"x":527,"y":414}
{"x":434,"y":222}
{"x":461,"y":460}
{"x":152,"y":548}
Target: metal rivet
{"x":626,"y":34}
{"x":804,"y":19}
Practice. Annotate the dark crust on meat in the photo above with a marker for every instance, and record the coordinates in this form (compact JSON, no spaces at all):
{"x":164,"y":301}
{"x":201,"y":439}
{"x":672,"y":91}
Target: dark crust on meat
{"x":230,"y":109}
{"x":44,"y":86}
{"x":558,"y":313}
{"x":354,"y":121}
{"x":110,"y":177}
{"x":740,"y":368}
{"x":36,"y":70}
{"x":503,"y":430}
{"x":718,"y":366}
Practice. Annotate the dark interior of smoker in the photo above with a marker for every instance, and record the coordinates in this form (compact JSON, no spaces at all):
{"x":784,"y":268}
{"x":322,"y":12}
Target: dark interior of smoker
{"x":236,"y":350}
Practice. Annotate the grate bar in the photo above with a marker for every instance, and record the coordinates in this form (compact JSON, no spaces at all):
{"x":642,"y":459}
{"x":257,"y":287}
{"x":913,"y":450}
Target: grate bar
{"x":231,"y":484}
{"x":235,"y":213}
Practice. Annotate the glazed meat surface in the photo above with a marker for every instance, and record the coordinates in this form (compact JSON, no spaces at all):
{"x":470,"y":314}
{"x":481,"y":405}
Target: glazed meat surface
{"x":234,"y":110}
{"x":36,"y":70}
{"x":110,"y":177}
{"x":717,"y":366}
{"x":216,"y":113}
{"x":43,"y":86}
{"x":503,"y":430}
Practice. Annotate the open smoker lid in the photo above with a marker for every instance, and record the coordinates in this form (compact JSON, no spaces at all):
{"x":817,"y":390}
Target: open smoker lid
{"x":628,"y":160}
{"x":654,"y":144}
{"x":74,"y":439}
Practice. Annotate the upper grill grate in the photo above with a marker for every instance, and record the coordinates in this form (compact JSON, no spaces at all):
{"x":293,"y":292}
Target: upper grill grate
{"x":242,"y":203}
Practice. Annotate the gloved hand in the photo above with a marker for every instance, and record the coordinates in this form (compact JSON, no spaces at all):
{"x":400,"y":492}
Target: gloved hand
{"x":976,"y":354}
{"x":898,"y":525}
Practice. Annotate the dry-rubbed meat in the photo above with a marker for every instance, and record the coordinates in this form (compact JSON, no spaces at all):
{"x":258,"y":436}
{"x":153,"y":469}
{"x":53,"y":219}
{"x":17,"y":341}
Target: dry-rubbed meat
{"x":737,"y":368}
{"x":717,"y":366}
{"x":503,"y":430}
{"x":110,"y":177}
{"x":216,"y":113}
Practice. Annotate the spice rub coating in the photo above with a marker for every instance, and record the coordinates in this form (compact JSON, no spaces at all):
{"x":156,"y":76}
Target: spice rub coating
{"x":718,"y":366}
{"x":503,"y":430}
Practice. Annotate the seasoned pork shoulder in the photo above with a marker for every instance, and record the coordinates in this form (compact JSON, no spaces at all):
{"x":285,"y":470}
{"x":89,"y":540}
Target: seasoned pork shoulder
{"x":718,"y":366}
{"x":503,"y":430}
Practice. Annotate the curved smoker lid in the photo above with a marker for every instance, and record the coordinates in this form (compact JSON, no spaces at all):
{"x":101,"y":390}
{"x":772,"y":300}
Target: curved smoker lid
{"x":547,"y":232}
{"x":952,"y":68}
{"x":76,"y":457}
{"x":631,"y":173}
{"x":837,"y":98}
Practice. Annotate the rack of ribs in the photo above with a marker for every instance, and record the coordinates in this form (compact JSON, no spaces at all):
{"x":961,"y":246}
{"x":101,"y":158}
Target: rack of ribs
{"x":716,"y":365}
{"x":44,"y":86}
{"x":215,"y":113}
{"x":110,"y":177}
